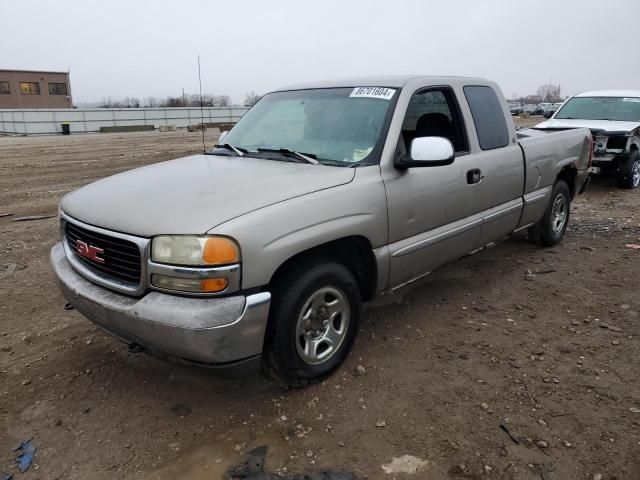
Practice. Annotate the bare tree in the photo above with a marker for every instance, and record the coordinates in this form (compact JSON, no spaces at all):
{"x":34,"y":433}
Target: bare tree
{"x":192,"y":100}
{"x":208,"y":100}
{"x":106,"y":102}
{"x":221,"y":101}
{"x":535,"y":99}
{"x":173,"y":102}
{"x":150,"y":102}
{"x":251,"y":99}
{"x":550,"y":93}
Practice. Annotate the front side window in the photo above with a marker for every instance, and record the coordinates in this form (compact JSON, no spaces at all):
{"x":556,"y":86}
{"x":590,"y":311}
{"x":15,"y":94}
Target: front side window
{"x":57,"y":89}
{"x":29,"y":88}
{"x":623,"y":109}
{"x":488,"y":117}
{"x":341,"y":126}
{"x":4,"y":88}
{"x":434,"y":113}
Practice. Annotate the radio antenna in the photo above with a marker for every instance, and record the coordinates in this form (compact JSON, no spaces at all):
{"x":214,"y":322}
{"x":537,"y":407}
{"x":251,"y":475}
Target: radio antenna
{"x":204,"y":148}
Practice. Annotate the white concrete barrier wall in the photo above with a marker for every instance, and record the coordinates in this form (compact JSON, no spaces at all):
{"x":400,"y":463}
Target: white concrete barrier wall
{"x":83,"y":120}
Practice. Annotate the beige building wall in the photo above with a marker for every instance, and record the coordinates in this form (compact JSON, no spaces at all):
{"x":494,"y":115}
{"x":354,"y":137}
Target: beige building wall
{"x":32,"y":89}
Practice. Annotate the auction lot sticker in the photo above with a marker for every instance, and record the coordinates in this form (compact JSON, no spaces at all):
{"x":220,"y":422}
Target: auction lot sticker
{"x":373,"y":92}
{"x":628,"y":99}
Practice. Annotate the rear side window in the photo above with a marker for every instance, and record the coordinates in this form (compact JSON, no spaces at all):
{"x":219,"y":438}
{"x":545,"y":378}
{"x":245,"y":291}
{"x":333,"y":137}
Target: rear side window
{"x":488,"y":117}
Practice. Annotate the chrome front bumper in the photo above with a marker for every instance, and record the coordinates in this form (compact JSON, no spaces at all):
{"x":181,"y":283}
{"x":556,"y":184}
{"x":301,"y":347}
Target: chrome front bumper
{"x":210,"y":331}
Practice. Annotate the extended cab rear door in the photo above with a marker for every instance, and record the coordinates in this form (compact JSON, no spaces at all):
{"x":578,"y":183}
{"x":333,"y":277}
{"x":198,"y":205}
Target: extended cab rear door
{"x":498,"y":156}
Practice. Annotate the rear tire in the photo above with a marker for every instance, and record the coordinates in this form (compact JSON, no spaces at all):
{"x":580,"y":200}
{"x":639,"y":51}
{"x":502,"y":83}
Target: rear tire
{"x":313,"y":322}
{"x":550,"y":229}
{"x":629,"y":172}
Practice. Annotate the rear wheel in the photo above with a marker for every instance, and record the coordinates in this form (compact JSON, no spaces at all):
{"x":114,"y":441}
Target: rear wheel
{"x":629,"y":172}
{"x":313,"y":322}
{"x":550,"y":229}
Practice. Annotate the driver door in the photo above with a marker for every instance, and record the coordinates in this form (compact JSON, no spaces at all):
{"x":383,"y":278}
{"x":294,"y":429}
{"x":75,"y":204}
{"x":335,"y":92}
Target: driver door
{"x":434,"y":210}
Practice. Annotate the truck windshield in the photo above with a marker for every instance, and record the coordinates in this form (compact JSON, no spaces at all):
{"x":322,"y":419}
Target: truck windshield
{"x":623,"y":109}
{"x":335,"y":125}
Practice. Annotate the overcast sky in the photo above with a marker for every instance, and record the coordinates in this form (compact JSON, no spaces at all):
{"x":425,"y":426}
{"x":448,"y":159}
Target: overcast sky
{"x":141,"y":48}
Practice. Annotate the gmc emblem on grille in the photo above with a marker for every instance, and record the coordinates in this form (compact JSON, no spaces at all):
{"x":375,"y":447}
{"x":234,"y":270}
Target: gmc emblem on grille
{"x":89,"y":251}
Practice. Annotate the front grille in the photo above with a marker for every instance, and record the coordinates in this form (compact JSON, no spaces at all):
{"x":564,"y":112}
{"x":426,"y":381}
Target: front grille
{"x":122,"y":261}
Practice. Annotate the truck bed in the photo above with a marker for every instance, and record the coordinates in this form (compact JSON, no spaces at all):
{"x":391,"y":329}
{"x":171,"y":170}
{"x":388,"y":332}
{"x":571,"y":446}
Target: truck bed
{"x":547,"y":151}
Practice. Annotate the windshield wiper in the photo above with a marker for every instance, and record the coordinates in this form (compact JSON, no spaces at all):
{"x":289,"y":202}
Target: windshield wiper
{"x":307,"y":157}
{"x":237,"y":150}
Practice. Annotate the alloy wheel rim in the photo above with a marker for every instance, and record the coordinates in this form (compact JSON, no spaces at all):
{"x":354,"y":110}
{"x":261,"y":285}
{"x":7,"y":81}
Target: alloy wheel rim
{"x":636,"y":173}
{"x":322,"y":325}
{"x":559,"y":214}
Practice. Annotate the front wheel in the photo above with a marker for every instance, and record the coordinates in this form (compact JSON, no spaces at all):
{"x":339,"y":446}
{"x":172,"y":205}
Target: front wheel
{"x":629,"y":176}
{"x":313,"y":322}
{"x":550,"y":229}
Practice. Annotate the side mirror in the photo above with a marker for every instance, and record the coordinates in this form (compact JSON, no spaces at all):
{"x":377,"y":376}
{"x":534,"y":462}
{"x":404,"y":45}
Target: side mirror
{"x":222,"y":135}
{"x":428,"y":152}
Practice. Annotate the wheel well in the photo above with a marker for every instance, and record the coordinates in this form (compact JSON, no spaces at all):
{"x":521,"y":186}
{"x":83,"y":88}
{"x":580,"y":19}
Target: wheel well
{"x":354,"y":252}
{"x":569,"y":174}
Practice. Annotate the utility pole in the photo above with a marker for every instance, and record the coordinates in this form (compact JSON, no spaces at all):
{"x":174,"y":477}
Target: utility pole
{"x":184,"y":100}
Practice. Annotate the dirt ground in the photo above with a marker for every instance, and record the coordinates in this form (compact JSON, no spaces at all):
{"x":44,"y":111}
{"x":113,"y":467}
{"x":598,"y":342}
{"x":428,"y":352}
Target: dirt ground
{"x":517,"y":362}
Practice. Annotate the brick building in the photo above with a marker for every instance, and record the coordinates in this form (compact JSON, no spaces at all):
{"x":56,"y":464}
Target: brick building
{"x":34,"y":89}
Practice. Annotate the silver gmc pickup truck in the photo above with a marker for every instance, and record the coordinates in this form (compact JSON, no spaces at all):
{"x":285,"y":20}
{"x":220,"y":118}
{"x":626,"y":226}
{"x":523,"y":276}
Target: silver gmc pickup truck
{"x":260,"y":251}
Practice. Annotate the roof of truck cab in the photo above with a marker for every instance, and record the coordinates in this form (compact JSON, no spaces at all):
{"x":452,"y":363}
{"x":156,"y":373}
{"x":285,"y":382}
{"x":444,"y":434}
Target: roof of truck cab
{"x":610,"y":93}
{"x":391,"y":81}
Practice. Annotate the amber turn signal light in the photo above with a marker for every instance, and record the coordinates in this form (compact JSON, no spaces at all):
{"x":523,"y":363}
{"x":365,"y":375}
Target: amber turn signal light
{"x":213,"y":285}
{"x":220,"y":251}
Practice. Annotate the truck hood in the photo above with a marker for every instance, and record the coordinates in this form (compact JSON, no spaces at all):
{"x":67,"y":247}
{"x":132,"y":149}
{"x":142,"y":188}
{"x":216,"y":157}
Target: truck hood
{"x":608,"y":126}
{"x":191,"y":195}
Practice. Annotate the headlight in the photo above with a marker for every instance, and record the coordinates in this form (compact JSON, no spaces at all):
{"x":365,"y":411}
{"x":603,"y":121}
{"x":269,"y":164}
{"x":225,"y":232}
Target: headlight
{"x":194,"y":251}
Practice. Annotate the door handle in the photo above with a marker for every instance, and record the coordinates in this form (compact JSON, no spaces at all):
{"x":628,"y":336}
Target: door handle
{"x":474,"y":176}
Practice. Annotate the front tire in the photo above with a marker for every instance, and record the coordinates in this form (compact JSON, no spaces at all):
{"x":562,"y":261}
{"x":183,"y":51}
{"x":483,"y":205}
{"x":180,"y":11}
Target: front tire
{"x":550,"y":230}
{"x":313,"y":322}
{"x":629,"y":176}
